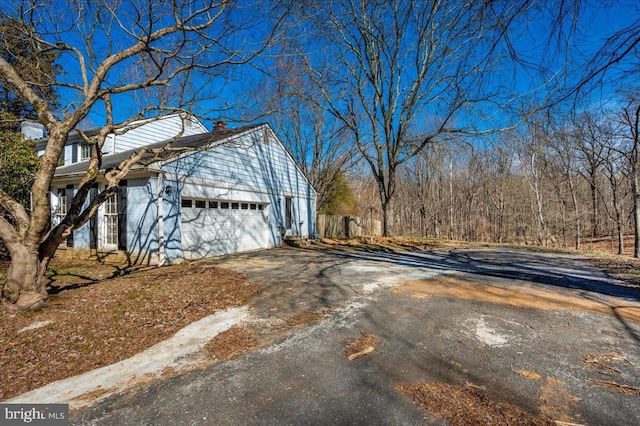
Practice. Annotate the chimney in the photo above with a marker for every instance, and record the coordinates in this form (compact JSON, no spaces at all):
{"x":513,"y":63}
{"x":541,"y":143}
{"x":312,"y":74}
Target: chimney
{"x":32,"y":130}
{"x":219,"y":125}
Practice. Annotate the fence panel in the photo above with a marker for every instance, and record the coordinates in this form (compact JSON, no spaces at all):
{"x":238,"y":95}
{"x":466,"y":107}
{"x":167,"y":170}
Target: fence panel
{"x":329,"y":226}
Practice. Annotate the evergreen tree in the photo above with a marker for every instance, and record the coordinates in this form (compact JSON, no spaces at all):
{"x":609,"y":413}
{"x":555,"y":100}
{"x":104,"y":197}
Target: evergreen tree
{"x":34,"y":63}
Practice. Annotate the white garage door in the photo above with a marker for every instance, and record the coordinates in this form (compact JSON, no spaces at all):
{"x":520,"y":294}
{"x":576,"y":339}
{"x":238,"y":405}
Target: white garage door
{"x":215,"y":227}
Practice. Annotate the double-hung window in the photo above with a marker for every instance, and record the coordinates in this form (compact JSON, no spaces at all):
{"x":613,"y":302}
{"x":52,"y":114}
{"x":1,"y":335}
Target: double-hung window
{"x":61,"y":208}
{"x":111,"y":221}
{"x":85,"y":152}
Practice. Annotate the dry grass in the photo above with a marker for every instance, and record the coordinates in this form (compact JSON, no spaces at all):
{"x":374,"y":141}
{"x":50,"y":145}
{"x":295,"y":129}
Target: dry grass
{"x":92,"y":321}
{"x":383,"y":243}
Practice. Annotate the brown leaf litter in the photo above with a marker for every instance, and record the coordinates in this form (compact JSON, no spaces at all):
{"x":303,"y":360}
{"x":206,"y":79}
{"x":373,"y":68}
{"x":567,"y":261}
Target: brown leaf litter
{"x":93,"y":322}
{"x":305,"y":318}
{"x":597,"y":361}
{"x":469,"y":405}
{"x":530,"y":375}
{"x":556,"y":402}
{"x":524,"y":296}
{"x":231,"y":343}
{"x":362,"y":346}
{"x":618,"y":387}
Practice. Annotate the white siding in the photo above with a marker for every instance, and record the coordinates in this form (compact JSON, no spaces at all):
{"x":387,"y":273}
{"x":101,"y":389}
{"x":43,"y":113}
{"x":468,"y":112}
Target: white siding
{"x":247,"y":162}
{"x":157,"y":131}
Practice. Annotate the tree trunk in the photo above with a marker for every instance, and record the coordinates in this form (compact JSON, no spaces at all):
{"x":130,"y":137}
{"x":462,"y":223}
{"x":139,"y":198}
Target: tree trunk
{"x":636,"y":213}
{"x":620,"y":228}
{"x":574,"y":199}
{"x":594,"y":210}
{"x":25,"y":284}
{"x":387,"y":217}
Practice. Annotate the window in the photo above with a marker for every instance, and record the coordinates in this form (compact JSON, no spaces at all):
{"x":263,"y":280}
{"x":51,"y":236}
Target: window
{"x":213,"y":204}
{"x":187,"y":203}
{"x":235,"y":206}
{"x":253,"y":206}
{"x":111,"y":221}
{"x":224,"y":205}
{"x":85,"y":152}
{"x":287,"y":210}
{"x":201,"y":204}
{"x":260,"y":206}
{"x":244,"y":206}
{"x":61,"y":209}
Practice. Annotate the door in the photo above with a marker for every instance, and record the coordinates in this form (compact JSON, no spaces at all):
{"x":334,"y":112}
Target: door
{"x":215,"y":227}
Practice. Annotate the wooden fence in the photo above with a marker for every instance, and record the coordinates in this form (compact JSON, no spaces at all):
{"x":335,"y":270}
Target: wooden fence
{"x":347,"y":226}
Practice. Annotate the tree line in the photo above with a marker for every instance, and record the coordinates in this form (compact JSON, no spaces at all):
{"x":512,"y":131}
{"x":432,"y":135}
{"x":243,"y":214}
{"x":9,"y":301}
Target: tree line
{"x":548,"y":183}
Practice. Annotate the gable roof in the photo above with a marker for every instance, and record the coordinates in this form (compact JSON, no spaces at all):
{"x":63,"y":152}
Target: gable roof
{"x":184,"y":144}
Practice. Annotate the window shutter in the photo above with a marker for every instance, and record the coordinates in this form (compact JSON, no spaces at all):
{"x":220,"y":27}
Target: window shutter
{"x":122,"y":215}
{"x":69,"y":195}
{"x":93,"y":222}
{"x":74,"y":153}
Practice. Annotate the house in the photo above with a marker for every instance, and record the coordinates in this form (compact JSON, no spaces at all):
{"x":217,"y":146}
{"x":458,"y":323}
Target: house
{"x":227,"y":191}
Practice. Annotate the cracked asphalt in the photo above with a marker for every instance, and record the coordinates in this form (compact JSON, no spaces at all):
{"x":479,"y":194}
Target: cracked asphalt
{"x":475,"y":316}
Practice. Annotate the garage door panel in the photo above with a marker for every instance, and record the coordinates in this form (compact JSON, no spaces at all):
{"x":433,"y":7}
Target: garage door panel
{"x":212,"y":232}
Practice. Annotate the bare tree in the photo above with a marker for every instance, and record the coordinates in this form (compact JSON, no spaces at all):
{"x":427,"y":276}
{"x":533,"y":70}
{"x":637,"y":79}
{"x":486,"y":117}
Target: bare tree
{"x":630,"y":119}
{"x":613,"y":167}
{"x":315,"y":138}
{"x":167,"y":52}
{"x":563,"y":148}
{"x":402,"y":74}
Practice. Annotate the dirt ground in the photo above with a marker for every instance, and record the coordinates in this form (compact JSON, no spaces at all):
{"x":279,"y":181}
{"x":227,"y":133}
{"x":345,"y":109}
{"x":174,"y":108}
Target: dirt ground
{"x":100,"y":314}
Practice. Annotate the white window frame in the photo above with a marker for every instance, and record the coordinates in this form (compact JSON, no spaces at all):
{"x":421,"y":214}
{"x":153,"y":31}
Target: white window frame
{"x":61,"y":208}
{"x":85,"y":151}
{"x":110,"y":222}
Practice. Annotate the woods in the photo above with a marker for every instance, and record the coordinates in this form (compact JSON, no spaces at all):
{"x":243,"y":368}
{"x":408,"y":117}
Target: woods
{"x":549,"y":184}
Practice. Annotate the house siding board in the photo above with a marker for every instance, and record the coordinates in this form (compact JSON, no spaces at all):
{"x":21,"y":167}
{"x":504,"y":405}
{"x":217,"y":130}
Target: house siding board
{"x":171,"y":221}
{"x":249,"y":170}
{"x":155,"y":131}
{"x":81,"y":236}
{"x":142,"y":220}
{"x":248,"y":162}
{"x":163,"y":129}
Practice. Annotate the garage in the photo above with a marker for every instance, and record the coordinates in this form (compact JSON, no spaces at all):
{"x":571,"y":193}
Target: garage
{"x":214,"y":227}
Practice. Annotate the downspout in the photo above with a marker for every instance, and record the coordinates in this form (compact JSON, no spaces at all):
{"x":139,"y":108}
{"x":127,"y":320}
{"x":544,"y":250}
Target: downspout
{"x":161,"y":257}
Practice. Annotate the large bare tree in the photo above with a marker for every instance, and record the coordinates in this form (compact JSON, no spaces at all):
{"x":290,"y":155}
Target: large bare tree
{"x":168,"y":53}
{"x":402,"y":74}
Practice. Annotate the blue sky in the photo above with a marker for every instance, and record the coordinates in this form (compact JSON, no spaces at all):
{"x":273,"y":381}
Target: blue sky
{"x":227,"y":94}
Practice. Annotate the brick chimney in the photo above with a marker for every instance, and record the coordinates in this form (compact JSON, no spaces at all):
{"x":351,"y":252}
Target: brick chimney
{"x":219,"y":125}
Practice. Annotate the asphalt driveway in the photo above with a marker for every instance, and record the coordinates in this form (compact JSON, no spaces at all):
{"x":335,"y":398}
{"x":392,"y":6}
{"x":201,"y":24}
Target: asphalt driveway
{"x":543,"y":332}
